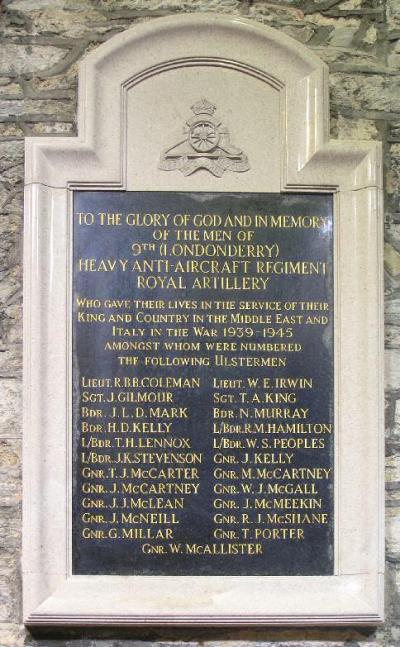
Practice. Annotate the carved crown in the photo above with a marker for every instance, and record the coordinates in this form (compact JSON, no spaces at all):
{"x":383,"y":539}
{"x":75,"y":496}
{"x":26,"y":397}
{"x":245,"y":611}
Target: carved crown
{"x":203,"y":107}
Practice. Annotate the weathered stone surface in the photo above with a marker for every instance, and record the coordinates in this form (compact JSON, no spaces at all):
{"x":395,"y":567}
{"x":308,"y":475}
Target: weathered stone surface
{"x":10,"y":500}
{"x":392,"y":336}
{"x":392,"y":364}
{"x":392,"y":234}
{"x":10,"y":231}
{"x":345,"y":39}
{"x":11,"y":361}
{"x":58,"y":86}
{"x":345,"y":59}
{"x":392,"y":532}
{"x":10,"y":91}
{"x":392,"y":260}
{"x":396,"y":420}
{"x":394,"y":56}
{"x":11,"y":155}
{"x":34,"y":5}
{"x":289,"y":20}
{"x":11,"y":635}
{"x":6,"y":599}
{"x":11,"y":326}
{"x":10,"y":287}
{"x":26,"y":108}
{"x":10,"y":131}
{"x":393,"y":14}
{"x":267,"y":11}
{"x":392,"y":312}
{"x":10,"y":472}
{"x":71,"y":24}
{"x":10,"y":529}
{"x":371,"y":35}
{"x":396,"y":580}
{"x":347,"y":128}
{"x":283,"y":643}
{"x":393,"y":469}
{"x":222,"y":6}
{"x":393,"y":174}
{"x":343,"y":36}
{"x":364,"y":92}
{"x":10,"y":408}
{"x":28,"y":59}
{"x":43,"y":128}
{"x":350,"y":4}
{"x":11,"y":329}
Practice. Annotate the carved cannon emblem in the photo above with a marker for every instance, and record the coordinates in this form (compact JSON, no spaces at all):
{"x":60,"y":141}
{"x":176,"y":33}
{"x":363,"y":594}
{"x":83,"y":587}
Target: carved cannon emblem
{"x":205,"y":146}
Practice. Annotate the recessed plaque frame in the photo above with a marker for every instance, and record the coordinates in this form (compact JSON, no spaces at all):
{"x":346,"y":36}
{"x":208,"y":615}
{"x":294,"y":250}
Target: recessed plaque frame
{"x":273,"y":96}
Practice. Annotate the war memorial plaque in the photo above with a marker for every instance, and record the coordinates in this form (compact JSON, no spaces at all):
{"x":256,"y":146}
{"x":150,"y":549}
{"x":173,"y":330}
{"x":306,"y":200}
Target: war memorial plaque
{"x":203,"y":384}
{"x":203,"y":375}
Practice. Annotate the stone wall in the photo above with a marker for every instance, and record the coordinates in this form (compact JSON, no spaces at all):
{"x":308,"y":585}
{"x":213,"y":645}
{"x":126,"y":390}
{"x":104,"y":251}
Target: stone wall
{"x":41,"y":43}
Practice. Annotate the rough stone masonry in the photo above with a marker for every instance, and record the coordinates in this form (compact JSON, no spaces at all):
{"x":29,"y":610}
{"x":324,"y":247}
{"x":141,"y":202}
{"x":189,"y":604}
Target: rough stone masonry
{"x":41,"y":44}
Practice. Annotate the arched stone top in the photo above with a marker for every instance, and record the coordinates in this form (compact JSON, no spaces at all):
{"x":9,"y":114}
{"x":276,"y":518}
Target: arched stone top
{"x":186,"y":35}
{"x":211,"y":25}
{"x":108,"y":75}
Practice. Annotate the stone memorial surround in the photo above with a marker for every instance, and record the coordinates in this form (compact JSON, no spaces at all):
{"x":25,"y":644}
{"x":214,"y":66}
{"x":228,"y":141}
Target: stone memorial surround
{"x":42,"y":43}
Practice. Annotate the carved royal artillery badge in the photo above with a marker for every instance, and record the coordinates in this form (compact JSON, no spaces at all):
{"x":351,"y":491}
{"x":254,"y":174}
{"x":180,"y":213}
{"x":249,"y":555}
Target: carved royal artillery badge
{"x":206,"y":146}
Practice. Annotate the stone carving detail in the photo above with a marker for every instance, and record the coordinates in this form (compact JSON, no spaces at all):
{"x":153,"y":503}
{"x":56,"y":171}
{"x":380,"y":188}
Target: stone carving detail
{"x":206,"y":145}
